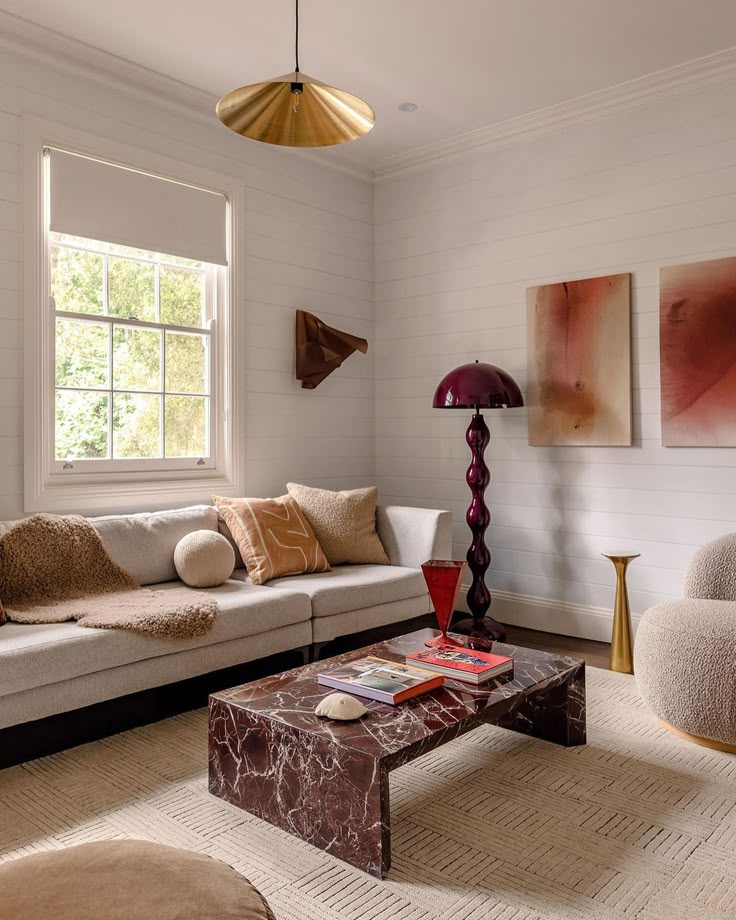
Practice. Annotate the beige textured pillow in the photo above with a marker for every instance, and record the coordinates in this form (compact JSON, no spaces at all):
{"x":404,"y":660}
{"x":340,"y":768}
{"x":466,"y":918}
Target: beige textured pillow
{"x":225,"y":531}
{"x":203,"y":559}
{"x":273,"y":536}
{"x":343,"y":522}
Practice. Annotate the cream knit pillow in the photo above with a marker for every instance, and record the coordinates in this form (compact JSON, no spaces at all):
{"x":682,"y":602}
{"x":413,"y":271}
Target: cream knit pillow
{"x":343,"y":522}
{"x":204,"y":559}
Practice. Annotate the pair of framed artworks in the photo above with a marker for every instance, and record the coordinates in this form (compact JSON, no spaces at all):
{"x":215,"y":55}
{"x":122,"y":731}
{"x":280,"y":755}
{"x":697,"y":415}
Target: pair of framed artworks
{"x":579,"y":341}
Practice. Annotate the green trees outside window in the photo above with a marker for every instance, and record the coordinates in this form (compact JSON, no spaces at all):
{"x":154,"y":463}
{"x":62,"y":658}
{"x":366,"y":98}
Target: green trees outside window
{"x":127,"y":385}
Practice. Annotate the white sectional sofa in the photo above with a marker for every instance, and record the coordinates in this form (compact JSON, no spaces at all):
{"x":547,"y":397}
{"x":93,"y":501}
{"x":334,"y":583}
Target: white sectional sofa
{"x":56,"y":668}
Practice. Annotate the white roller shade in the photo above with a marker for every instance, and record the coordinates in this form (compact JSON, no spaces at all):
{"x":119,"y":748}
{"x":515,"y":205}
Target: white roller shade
{"x":102,"y":201}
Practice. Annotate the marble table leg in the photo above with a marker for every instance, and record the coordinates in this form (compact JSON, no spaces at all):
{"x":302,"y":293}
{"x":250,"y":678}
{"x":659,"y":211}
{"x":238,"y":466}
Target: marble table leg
{"x":329,"y":796}
{"x":555,"y":714}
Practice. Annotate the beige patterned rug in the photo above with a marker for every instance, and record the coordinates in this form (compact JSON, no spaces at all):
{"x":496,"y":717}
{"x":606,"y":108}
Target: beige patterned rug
{"x":494,"y":826}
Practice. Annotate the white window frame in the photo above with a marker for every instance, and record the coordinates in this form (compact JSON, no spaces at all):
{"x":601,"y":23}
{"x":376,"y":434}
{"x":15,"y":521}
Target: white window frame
{"x":213,"y":283}
{"x":110,"y":485}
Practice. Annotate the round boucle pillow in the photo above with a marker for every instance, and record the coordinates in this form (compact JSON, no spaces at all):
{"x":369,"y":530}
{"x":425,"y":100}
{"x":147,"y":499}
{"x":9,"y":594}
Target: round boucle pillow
{"x":204,"y":558}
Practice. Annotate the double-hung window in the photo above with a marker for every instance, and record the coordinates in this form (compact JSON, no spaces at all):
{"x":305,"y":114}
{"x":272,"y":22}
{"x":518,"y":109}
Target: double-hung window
{"x":134,"y":358}
{"x":132,"y":363}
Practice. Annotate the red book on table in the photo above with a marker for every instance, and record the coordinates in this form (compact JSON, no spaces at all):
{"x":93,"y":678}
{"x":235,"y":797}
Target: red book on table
{"x":462,"y":663}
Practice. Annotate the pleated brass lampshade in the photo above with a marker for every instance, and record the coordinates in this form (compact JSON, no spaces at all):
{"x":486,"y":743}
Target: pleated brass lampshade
{"x":295,"y":110}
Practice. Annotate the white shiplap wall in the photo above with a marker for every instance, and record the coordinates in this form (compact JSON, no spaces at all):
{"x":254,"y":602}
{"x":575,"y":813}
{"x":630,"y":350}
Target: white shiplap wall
{"x":308,"y":243}
{"x":455,"y":247}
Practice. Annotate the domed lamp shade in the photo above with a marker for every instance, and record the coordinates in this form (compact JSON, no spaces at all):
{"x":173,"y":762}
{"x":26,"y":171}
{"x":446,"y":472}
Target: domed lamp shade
{"x":478,"y":386}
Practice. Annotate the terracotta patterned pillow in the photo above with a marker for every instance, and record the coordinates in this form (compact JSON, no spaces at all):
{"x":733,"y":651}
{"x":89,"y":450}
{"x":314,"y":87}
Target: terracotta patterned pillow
{"x":343,"y":522}
{"x":273,"y":536}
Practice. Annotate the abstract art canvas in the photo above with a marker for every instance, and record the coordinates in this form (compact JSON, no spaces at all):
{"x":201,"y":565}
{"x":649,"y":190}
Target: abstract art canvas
{"x":697,"y":342}
{"x":579,"y":348}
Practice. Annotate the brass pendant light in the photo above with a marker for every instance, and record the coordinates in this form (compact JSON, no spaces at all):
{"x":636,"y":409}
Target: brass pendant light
{"x":295,"y":110}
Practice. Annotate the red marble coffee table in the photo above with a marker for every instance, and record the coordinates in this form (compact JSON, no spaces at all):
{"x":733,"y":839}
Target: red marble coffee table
{"x":327,"y":782}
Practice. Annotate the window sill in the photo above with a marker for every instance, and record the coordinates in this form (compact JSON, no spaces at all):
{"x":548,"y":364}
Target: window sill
{"x":105,"y":497}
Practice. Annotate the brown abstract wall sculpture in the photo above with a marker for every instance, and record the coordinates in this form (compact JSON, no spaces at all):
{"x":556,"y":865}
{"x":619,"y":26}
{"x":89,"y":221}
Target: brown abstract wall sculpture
{"x":579,"y":361}
{"x":697,"y":343}
{"x":320,"y":349}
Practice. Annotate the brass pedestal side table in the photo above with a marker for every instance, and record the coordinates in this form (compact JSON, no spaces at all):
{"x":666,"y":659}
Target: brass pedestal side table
{"x":622,"y":646}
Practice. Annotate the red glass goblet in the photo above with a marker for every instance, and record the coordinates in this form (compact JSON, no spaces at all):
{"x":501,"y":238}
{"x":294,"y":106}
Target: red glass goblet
{"x":444,"y":578}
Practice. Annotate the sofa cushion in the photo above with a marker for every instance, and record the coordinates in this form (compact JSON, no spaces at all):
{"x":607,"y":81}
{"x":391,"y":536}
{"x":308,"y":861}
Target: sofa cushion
{"x":352,"y":587}
{"x":225,"y":531}
{"x":325,"y":629}
{"x":273,"y":536}
{"x":144,"y":544}
{"x":343,"y":522}
{"x":32,"y":656}
{"x":87,"y":689}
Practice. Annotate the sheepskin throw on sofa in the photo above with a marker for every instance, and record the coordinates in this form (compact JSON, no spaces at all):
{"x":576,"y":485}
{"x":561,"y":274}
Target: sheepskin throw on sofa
{"x":54,"y":569}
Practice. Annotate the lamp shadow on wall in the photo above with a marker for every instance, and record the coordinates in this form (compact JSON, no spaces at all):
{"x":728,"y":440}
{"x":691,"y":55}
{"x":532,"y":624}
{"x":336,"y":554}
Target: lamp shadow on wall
{"x":564,"y":567}
{"x":554,"y":540}
{"x":564,"y":524}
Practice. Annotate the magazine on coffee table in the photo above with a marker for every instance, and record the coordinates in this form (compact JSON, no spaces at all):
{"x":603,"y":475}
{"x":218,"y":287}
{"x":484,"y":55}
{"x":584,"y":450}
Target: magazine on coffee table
{"x":382,"y":680}
{"x":464,"y":664}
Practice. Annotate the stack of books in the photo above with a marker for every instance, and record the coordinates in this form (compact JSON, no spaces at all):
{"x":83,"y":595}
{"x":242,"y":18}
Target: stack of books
{"x":462,"y":663}
{"x":382,"y":680}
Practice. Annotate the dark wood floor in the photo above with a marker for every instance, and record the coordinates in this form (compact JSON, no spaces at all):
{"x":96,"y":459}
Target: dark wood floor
{"x":594,"y":653}
{"x":56,"y":733}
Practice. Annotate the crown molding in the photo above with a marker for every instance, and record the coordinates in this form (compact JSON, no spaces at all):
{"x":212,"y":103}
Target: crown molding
{"x":61,"y":52}
{"x":35,"y":42}
{"x":642,"y":91}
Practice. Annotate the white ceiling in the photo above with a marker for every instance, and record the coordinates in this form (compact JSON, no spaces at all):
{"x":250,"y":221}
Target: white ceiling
{"x":466,"y":63}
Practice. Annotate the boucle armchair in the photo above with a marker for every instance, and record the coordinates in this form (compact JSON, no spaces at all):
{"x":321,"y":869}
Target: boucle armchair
{"x":685,"y":652}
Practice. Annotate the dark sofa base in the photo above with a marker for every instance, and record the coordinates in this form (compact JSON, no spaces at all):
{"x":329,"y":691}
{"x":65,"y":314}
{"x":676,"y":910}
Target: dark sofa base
{"x":80,"y":726}
{"x":68,"y":729}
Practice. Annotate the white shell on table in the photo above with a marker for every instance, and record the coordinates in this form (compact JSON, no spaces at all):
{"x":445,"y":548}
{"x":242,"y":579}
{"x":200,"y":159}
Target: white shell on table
{"x":340,"y":706}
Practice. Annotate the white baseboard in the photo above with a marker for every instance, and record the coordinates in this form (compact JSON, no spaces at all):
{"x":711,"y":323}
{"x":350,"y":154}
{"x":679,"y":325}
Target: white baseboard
{"x":550,"y":615}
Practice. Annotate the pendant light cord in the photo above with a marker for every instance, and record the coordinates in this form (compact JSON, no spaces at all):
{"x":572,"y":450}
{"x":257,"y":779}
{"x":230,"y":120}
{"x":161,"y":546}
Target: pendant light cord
{"x":296,"y":36}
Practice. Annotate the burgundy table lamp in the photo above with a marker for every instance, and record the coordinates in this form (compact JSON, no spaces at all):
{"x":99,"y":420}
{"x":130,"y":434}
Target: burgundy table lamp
{"x":478,"y":386}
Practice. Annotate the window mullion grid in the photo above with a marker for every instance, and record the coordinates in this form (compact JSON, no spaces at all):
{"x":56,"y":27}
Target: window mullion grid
{"x":163,"y":394}
{"x":111,"y":321}
{"x":157,"y":290}
{"x":110,"y":359}
{"x":110,"y":395}
{"x":131,"y":392}
{"x":212,"y":306}
{"x":135,"y":323}
{"x":162,"y":382}
{"x":105,"y":286}
{"x":210,"y":309}
{"x":100,"y":250}
{"x":208,"y":401}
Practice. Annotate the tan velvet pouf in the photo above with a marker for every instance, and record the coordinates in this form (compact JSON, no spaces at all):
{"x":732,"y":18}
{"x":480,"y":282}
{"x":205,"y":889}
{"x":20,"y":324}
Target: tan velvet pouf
{"x":126,"y":880}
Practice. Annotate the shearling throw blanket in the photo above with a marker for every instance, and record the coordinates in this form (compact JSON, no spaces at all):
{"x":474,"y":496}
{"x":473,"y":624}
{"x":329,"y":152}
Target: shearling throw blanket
{"x":54,"y":569}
